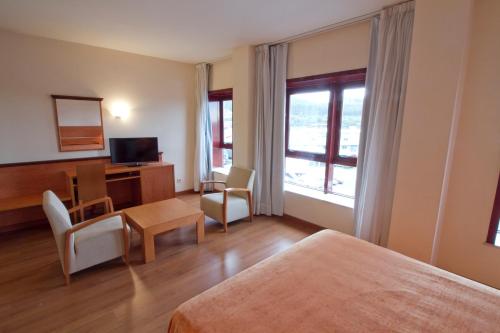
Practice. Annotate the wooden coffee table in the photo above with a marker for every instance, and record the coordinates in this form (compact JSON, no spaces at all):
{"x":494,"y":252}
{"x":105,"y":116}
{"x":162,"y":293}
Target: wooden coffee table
{"x":158,"y":217}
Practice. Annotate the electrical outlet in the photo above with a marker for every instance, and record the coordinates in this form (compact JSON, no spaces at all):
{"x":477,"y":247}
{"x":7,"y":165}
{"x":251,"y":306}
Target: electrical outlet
{"x":179,"y":180}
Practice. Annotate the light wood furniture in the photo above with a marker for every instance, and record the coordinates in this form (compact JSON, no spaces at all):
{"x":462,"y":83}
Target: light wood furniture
{"x":236,"y":200}
{"x":79,"y":122}
{"x":132,"y":186}
{"x":22,"y":185}
{"x":162,"y":216}
{"x":91,"y":179}
{"x":90,"y":242}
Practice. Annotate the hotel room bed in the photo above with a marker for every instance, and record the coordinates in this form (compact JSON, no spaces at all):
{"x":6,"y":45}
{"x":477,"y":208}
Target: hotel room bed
{"x":334,"y":282}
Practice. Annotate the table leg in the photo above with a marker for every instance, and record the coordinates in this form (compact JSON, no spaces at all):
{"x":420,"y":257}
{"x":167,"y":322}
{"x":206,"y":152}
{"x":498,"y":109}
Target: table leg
{"x":200,"y":228}
{"x":148,"y":247}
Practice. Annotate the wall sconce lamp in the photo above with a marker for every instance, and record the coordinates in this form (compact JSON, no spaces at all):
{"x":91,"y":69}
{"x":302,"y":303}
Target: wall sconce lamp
{"x":120,"y":110}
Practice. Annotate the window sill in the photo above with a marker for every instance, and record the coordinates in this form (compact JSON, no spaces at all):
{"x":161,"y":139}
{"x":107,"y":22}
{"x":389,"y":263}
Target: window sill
{"x":331,"y":198}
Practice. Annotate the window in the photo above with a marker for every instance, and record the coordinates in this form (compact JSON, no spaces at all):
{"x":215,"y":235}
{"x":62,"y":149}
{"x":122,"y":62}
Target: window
{"x":494,"y":231}
{"x":221,"y":114}
{"x":323,"y":124}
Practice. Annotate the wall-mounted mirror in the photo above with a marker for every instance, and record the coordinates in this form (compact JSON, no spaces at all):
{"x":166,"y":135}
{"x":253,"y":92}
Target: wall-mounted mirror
{"x":79,"y":122}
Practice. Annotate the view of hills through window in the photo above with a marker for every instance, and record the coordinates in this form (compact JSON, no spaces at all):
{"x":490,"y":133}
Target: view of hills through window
{"x":309,"y":121}
{"x":352,"y":107}
{"x":308,"y":127}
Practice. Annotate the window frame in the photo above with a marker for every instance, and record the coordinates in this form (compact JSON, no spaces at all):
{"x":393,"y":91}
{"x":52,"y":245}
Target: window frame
{"x":220,"y":96}
{"x":335,"y":83}
{"x":495,"y":216}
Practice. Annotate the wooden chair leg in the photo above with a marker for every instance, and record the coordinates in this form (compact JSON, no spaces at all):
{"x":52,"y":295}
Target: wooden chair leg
{"x":250,"y":206}
{"x":126,"y":257}
{"x":224,"y":210}
{"x":126,"y":238}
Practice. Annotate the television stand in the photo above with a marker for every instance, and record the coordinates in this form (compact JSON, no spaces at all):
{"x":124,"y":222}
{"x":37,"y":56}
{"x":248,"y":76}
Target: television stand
{"x":133,"y":185}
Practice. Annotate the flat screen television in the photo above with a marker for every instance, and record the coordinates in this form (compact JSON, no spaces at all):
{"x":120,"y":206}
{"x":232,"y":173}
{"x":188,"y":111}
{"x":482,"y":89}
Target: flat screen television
{"x":133,"y":151}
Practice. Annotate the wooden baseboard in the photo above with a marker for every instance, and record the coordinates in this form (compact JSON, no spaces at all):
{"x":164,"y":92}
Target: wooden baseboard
{"x":294,"y":219}
{"x":190,"y":191}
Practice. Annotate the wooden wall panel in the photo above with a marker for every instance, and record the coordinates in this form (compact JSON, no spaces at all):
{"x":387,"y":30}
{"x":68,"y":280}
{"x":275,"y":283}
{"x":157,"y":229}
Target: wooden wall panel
{"x":36,"y":177}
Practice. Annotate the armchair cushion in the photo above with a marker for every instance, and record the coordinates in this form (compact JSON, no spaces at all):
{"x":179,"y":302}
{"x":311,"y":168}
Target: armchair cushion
{"x":98,"y":242}
{"x":237,"y":207}
{"x":240,"y":178}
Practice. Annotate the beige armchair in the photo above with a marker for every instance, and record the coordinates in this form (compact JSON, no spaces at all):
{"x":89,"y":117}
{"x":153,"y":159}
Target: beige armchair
{"x":235,"y":202}
{"x":90,"y":242}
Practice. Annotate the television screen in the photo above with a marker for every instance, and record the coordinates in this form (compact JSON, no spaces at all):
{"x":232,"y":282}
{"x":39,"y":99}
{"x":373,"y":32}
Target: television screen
{"x":133,"y":150}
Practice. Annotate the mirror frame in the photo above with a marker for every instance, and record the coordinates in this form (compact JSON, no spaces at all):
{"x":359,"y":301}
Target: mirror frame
{"x":84,"y":146}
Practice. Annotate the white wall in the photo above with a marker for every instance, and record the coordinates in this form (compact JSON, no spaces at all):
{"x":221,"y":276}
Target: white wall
{"x":160,"y":93}
{"x":334,"y":51}
{"x":476,"y":162}
{"x":243,"y":60}
{"x":434,"y":81}
{"x":221,"y":75}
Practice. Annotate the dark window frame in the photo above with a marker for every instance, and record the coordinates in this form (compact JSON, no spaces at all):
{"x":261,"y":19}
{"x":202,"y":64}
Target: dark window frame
{"x":220,"y":96}
{"x":335,"y":83}
{"x":495,"y":216}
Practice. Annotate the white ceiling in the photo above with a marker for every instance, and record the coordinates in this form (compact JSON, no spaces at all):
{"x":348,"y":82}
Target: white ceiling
{"x":183,"y":30}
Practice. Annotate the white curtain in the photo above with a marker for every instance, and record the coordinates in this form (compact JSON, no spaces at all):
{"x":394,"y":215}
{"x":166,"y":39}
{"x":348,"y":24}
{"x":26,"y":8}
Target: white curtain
{"x":270,"y":66}
{"x":203,"y":150}
{"x":382,"y":121}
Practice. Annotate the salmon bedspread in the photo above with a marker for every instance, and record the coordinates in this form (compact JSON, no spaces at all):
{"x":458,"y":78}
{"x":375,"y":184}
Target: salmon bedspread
{"x":332,"y":282}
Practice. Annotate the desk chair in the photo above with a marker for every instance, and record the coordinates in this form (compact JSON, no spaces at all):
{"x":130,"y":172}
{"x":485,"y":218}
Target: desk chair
{"x":235,"y":202}
{"x":87,"y":243}
{"x":91,"y":181}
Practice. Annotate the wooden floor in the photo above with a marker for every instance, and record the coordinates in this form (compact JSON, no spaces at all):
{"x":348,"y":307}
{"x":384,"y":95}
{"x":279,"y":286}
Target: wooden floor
{"x":113,"y":297}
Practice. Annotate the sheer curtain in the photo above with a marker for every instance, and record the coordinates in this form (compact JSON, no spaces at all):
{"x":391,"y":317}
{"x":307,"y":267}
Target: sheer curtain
{"x":203,"y":150}
{"x":382,"y":121}
{"x":270,"y":66}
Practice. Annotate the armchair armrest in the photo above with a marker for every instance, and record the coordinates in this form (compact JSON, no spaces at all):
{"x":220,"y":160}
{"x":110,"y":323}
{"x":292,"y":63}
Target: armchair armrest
{"x":108,"y":203}
{"x":237,"y":189}
{"x":212,"y":181}
{"x":87,"y":223}
{"x":90,"y":222}
{"x":203,"y":182}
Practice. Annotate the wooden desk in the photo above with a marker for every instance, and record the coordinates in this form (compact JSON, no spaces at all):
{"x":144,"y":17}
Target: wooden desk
{"x":132,"y":186}
{"x":23,"y":185}
{"x":159,"y":217}
{"x":27,"y":201}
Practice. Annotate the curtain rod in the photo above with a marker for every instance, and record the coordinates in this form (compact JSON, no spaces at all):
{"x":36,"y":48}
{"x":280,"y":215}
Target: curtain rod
{"x":334,"y":26}
{"x":326,"y":28}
